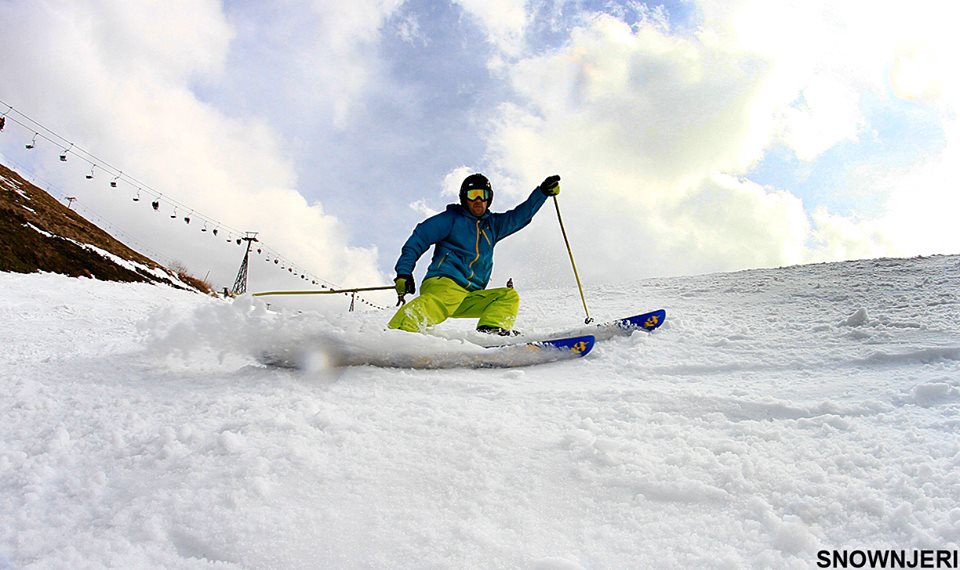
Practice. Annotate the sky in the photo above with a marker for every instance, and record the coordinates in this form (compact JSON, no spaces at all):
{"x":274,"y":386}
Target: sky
{"x":691,"y":136}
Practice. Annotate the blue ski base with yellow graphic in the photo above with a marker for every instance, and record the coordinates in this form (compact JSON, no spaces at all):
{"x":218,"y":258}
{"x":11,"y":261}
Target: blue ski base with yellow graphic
{"x":646,"y":321}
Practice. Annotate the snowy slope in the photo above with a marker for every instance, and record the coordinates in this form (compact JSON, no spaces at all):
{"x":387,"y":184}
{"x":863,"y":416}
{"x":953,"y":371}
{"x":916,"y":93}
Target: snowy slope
{"x":777,"y":413}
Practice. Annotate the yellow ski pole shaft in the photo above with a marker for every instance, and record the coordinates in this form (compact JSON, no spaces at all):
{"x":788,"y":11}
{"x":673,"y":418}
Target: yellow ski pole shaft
{"x":573,"y":263}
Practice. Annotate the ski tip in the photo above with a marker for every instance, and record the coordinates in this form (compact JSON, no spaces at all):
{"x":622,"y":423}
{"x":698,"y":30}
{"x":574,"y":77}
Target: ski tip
{"x":578,"y":345}
{"x":646,"y":321}
{"x":654,"y":320}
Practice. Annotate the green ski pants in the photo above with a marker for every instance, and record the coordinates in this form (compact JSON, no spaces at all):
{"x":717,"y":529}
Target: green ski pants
{"x":441,"y":298}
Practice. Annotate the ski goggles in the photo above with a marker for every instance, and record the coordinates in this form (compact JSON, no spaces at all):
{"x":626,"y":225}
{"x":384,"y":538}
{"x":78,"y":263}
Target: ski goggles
{"x":478,"y":194}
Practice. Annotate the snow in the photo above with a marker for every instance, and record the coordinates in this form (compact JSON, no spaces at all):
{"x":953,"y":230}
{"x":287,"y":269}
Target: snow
{"x":776,"y":413}
{"x":133,"y":266}
{"x":13,"y":186}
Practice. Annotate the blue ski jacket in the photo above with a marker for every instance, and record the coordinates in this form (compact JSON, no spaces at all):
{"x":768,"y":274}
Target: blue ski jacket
{"x":464,"y":243}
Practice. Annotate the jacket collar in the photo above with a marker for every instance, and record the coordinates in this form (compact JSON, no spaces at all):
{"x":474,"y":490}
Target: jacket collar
{"x":458,"y":209}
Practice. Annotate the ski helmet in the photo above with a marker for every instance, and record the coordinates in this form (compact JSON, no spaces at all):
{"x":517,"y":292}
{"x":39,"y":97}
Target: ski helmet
{"x":475,"y":182}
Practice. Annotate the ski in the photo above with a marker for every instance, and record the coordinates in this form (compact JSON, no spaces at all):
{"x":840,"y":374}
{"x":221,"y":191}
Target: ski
{"x":498,"y":352}
{"x":645,"y":321}
{"x":578,"y":346}
{"x":605,"y":331}
{"x":333,"y":355}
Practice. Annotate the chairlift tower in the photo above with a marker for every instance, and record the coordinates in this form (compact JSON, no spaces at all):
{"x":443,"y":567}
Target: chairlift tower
{"x":240,"y":285}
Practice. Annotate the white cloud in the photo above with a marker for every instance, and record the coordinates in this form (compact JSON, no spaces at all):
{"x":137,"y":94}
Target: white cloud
{"x":118,"y":76}
{"x":453,"y":179}
{"x":843,"y":237}
{"x":655,"y":131}
{"x":642,"y":125}
{"x":917,"y":47}
{"x":123,"y":39}
{"x":828,"y":114}
{"x":318,"y":58}
{"x":731,"y":218}
{"x":921,"y":212}
{"x":408,"y":29}
{"x":422,"y":208}
{"x":886,"y":50}
{"x":504,"y":23}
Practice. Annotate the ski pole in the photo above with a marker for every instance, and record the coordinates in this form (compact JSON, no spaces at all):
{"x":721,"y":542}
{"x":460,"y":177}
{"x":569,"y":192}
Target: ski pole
{"x":325,"y":291}
{"x":583,"y":299}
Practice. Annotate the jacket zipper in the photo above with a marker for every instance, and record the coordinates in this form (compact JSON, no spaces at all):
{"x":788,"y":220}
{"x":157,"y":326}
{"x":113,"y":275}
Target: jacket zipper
{"x":479,"y":231}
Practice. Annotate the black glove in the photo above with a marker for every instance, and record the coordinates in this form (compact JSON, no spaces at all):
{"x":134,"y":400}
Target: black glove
{"x":405,"y":285}
{"x":551,"y":185}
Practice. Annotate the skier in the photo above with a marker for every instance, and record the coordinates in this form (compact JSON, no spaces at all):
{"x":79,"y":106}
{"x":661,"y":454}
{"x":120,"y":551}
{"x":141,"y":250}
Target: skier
{"x":463,"y":237}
